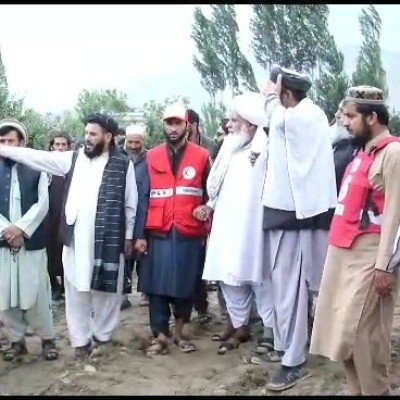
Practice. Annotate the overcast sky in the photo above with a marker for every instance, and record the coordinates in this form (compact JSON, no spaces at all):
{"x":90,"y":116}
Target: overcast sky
{"x":51,"y":52}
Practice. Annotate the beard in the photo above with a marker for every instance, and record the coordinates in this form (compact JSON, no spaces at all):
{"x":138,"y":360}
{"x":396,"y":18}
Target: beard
{"x":362,"y":139}
{"x":96,"y":151}
{"x":179,"y":138}
{"x":238,"y":139}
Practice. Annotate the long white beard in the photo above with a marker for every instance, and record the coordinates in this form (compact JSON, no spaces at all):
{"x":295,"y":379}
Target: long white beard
{"x":237,"y":140}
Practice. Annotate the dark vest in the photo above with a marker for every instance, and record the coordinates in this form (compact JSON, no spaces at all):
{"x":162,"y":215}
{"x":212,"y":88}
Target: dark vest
{"x":28,"y":183}
{"x":67,"y":231}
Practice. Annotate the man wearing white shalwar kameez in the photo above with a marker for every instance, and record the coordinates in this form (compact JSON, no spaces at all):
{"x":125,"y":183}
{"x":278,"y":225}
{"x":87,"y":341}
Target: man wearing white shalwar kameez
{"x":299,"y":198}
{"x":235,"y":250}
{"x":92,"y":297}
{"x":25,"y":292}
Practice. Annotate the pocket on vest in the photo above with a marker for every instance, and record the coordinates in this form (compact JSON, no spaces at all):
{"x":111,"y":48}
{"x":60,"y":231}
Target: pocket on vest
{"x":155,"y":217}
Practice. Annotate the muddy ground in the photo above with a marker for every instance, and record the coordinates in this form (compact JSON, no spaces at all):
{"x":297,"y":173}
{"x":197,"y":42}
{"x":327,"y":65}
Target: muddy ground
{"x":125,"y":370}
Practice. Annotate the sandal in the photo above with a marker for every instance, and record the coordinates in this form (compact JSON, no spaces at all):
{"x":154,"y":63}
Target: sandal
{"x":16,"y":350}
{"x":264,"y":346}
{"x":185,"y":345}
{"x":157,"y":348}
{"x":49,"y":350}
{"x":231,"y":344}
{"x":270,"y":357}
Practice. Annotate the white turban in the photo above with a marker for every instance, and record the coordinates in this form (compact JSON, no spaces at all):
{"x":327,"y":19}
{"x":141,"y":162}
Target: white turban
{"x":136,"y":129}
{"x":17,"y":125}
{"x":250,"y":106}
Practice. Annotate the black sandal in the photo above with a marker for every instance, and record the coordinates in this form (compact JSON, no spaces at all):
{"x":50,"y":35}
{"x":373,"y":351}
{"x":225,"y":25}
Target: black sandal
{"x":231,"y":344}
{"x":16,"y":351}
{"x":49,"y":350}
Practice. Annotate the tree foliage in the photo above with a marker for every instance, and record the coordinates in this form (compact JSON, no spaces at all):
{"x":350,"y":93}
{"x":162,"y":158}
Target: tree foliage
{"x":110,"y":101}
{"x":292,"y":36}
{"x":369,"y":69}
{"x":212,"y":115}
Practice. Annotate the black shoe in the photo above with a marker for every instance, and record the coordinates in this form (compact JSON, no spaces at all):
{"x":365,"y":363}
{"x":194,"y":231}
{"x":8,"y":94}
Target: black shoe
{"x":126,"y":304}
{"x":287,"y":377}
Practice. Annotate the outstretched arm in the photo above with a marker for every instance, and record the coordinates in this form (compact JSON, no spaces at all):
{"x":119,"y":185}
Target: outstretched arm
{"x":54,"y":163}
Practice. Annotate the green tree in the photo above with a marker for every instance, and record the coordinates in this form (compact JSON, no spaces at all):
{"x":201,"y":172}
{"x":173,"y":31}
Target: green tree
{"x":207,"y":62}
{"x":292,"y":36}
{"x":238,"y":71}
{"x":153,"y":112}
{"x":110,"y":101}
{"x":394,"y":123}
{"x":38,"y":126}
{"x":69,"y":122}
{"x":330,"y":87}
{"x":10,"y":106}
{"x":212,"y":116}
{"x":369,"y":69}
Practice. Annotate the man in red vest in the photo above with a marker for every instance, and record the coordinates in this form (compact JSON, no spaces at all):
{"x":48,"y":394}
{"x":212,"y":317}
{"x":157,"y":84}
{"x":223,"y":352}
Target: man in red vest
{"x":354,"y":313}
{"x":172,"y":188}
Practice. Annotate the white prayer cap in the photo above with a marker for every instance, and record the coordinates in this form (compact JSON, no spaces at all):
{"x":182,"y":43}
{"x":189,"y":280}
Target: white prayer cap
{"x":250,"y":106}
{"x":176,"y":110}
{"x":19,"y":126}
{"x":136,"y":129}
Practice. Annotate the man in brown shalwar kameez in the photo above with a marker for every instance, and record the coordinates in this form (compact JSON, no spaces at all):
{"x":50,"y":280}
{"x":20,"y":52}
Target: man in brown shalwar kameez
{"x":354,"y":313}
{"x":60,"y":141}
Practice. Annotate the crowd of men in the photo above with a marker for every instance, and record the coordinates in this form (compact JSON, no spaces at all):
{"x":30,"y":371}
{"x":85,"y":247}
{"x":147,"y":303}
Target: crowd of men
{"x":288,"y":214}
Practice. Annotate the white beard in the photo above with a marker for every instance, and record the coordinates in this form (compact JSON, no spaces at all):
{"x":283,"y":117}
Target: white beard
{"x":237,"y":140}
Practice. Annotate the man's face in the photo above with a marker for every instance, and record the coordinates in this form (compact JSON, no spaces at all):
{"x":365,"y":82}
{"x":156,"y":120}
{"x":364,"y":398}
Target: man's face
{"x":60,"y":144}
{"x":237,"y":124}
{"x":357,"y":124}
{"x":12,"y":139}
{"x":175,"y":130}
{"x":97,"y":140}
{"x":134,"y":143}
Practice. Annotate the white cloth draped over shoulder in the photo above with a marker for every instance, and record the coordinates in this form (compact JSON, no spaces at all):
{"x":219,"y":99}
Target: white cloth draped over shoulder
{"x":301,"y":171}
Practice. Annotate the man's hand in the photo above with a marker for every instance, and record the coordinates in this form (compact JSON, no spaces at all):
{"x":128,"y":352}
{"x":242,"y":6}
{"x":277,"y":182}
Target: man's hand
{"x":128,"y":248}
{"x":202,"y":213}
{"x":12,"y":232}
{"x":384,"y":282}
{"x":141,"y":246}
{"x":16,"y":243}
{"x":271,"y":87}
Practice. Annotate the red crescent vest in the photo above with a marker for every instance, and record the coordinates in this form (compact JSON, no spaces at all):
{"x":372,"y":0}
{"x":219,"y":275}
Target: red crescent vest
{"x":360,"y":206}
{"x":173,"y":198}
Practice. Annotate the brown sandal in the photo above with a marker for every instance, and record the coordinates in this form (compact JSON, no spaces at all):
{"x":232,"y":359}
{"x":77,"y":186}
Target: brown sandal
{"x":185,"y":345}
{"x":157,"y":348}
{"x":16,"y":351}
{"x":49,"y":350}
{"x":230,"y":344}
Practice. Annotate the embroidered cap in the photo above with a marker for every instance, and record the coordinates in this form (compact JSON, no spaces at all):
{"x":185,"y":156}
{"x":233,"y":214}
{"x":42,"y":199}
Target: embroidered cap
{"x":365,"y":95}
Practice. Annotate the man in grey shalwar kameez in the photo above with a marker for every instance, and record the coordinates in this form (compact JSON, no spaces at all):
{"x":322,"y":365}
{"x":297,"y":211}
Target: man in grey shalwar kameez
{"x":25,"y":291}
{"x":299,"y":191}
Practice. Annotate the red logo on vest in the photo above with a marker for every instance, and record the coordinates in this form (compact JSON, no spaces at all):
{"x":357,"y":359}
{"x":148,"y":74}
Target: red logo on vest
{"x":360,"y":206}
{"x":174,"y":198}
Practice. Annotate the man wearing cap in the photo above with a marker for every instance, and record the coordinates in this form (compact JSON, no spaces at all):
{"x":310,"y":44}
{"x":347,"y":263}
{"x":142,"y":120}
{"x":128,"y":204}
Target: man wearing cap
{"x":299,"y":196}
{"x":134,"y":148}
{"x":25,"y":291}
{"x":354,"y":313}
{"x":166,"y":232}
{"x":235,"y":250}
{"x":60,"y":141}
{"x":97,"y":221}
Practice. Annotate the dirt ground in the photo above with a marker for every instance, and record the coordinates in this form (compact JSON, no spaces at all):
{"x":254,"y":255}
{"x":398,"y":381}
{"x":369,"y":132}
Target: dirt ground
{"x":125,"y":370}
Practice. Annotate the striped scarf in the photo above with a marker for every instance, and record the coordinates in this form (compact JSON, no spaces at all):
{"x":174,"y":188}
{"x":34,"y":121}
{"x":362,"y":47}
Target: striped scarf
{"x":110,"y":224}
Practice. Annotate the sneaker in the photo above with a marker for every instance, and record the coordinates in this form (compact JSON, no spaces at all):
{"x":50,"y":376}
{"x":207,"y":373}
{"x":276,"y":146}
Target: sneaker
{"x":287,"y":377}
